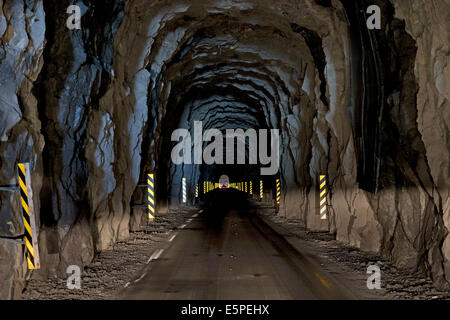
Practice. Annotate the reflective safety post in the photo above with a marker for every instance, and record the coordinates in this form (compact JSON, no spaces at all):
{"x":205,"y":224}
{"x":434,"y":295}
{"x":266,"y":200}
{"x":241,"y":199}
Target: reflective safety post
{"x":251,"y":187}
{"x":29,"y":217}
{"x":261,"y":189}
{"x":278,"y":196}
{"x":323,"y":197}
{"x":184,"y":190}
{"x":196,"y":190}
{"x":151,"y":196}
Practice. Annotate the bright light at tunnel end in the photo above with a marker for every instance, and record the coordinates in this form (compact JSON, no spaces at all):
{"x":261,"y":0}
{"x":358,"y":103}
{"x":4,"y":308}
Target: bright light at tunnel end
{"x":256,"y":140}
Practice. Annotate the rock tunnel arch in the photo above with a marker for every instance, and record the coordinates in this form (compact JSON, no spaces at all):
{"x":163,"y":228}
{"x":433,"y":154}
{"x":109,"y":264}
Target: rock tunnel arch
{"x":108,"y":93}
{"x":233,"y":68}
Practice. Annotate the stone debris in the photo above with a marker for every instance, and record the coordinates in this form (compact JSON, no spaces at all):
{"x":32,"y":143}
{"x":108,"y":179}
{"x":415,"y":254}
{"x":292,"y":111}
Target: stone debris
{"x":396,"y":283}
{"x":113,"y":268}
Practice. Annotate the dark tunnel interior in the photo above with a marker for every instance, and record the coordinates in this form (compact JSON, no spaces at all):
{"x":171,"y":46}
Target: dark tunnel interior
{"x":235,"y":110}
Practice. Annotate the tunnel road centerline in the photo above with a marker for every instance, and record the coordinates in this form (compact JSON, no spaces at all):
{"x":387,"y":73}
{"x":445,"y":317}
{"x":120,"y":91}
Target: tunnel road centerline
{"x":155,"y":255}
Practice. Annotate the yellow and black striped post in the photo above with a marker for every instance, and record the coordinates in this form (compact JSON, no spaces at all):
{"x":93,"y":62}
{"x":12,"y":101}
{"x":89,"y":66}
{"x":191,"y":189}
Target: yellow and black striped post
{"x":278,"y":195}
{"x":204,"y":187}
{"x":151,"y":196}
{"x":196,"y":190}
{"x":29,"y":218}
{"x":323,"y":197}
{"x":246,"y":190}
{"x":251,"y":187}
{"x":261,"y":189}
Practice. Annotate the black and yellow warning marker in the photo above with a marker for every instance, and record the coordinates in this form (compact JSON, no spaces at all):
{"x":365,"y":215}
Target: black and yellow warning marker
{"x":323,"y":197}
{"x":261,"y":189}
{"x":278,"y":194}
{"x":151,"y":196}
{"x":196,"y":190}
{"x":251,"y":188}
{"x":29,"y":218}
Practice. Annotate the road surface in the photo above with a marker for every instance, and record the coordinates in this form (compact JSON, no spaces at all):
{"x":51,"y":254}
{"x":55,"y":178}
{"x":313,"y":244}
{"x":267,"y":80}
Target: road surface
{"x":229,"y":253}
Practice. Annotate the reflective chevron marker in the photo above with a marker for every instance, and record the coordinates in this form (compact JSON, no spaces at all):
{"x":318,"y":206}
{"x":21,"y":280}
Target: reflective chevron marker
{"x":251,"y":187}
{"x":151,"y":196}
{"x":184,"y":190}
{"x":29,"y":218}
{"x":323,"y":197}
{"x":196,"y":190}
{"x":278,"y":196}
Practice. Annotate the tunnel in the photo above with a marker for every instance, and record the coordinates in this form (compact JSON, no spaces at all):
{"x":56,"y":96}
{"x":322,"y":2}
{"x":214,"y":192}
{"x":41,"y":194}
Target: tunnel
{"x":283,"y":97}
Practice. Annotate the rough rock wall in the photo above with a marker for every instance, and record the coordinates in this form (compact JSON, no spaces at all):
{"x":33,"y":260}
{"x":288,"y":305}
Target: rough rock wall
{"x":75,"y":77}
{"x":428,"y":26}
{"x":406,"y":219}
{"x":22,"y":28}
{"x":45,"y":116}
{"x":98,"y":117}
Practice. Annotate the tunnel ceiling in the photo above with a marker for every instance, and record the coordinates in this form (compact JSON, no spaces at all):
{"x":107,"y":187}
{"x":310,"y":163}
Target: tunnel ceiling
{"x":236,"y":67}
{"x":230,"y":66}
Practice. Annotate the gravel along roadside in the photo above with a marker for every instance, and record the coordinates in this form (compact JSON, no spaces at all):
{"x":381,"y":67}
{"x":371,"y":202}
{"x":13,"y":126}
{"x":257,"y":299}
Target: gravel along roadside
{"x":112,"y":269}
{"x":351,"y":264}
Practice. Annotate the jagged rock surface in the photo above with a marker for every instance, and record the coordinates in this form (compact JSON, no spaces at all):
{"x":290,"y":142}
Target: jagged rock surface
{"x":93,"y":111}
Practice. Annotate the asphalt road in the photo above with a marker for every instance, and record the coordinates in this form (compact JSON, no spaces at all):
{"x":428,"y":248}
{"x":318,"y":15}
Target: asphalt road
{"x":227,"y":252}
